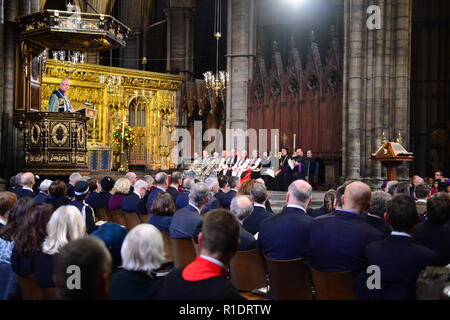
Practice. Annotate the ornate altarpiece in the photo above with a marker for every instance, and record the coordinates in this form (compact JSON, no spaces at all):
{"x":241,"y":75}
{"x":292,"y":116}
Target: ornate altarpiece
{"x":146,"y":99}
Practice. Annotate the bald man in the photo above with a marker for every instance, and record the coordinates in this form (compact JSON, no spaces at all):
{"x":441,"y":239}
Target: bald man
{"x":27,"y":181}
{"x":285,"y":236}
{"x":337,"y":241}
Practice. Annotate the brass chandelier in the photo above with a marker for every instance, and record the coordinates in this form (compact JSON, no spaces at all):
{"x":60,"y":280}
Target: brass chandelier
{"x":219,"y":80}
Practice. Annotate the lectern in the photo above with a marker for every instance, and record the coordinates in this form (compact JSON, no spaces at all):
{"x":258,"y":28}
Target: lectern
{"x":55,"y":142}
{"x":391,"y":155}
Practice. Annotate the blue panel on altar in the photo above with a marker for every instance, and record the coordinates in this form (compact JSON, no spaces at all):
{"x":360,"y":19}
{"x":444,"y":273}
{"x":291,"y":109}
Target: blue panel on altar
{"x":100,"y":158}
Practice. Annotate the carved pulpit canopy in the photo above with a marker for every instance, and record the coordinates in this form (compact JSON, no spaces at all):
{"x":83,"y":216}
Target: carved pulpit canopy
{"x":75,"y":31}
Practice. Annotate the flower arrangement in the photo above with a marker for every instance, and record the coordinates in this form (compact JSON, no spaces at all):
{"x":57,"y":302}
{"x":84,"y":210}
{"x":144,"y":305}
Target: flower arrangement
{"x":128,"y":137}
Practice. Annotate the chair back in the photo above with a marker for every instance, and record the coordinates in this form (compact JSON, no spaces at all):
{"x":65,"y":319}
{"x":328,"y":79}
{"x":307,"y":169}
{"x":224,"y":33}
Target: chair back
{"x":247,"y":270}
{"x":144,"y":217}
{"x":183,"y":252}
{"x":333,"y":285}
{"x":102,"y":214}
{"x":118,"y":217}
{"x":167,"y":246}
{"x":289,"y":279}
{"x":31,"y":291}
{"x":131,"y":219}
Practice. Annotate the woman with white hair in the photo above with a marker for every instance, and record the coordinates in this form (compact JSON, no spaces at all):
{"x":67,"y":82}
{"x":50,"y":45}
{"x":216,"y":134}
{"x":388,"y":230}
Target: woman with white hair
{"x":142,"y":252}
{"x":65,"y":225}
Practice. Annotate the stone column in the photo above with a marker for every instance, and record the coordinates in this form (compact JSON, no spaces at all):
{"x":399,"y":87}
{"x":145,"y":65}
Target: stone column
{"x":12,"y":139}
{"x":180,"y":37}
{"x":241,"y":51}
{"x":34,"y":7}
{"x":376,"y":84}
{"x":132,"y":16}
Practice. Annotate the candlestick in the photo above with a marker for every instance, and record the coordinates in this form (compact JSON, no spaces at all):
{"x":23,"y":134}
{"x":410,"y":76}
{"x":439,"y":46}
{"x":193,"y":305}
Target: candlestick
{"x":276,"y":149}
{"x":294,"y":144}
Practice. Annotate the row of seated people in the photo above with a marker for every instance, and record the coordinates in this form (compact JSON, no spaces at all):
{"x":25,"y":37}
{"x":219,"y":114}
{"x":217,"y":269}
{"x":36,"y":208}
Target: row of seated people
{"x":346,"y":239}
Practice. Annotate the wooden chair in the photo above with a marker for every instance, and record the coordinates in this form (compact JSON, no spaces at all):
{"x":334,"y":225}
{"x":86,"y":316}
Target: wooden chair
{"x":31,"y":291}
{"x":333,"y":285}
{"x":131,"y":219}
{"x":289,"y":279}
{"x":247,"y":270}
{"x":167,"y":246}
{"x":183,"y":252}
{"x":118,"y":217}
{"x":102,"y":214}
{"x":144,"y":217}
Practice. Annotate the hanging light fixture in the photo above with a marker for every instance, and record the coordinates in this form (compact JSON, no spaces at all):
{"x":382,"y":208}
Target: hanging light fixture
{"x":113,"y":83}
{"x":219,"y":80}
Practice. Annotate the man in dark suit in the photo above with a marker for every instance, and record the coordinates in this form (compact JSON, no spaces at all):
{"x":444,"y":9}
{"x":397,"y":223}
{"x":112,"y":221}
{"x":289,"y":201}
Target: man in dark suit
{"x":398,"y":258}
{"x":234,"y":183}
{"x":16,"y":187}
{"x":206,"y":277}
{"x":242,"y":207}
{"x":375,"y":214}
{"x":160,"y":184}
{"x":421,"y":194}
{"x":186,"y":222}
{"x":27,"y":181}
{"x":259,"y":196}
{"x":223,"y":187}
{"x":285,"y":236}
{"x":432,"y":232}
{"x":183,"y":197}
{"x":337,"y":241}
{"x":133,"y":202}
{"x":415,"y":181}
{"x":73,"y":180}
{"x":310,"y":168}
{"x":43,"y":191}
{"x":175,"y":184}
{"x":213,"y":202}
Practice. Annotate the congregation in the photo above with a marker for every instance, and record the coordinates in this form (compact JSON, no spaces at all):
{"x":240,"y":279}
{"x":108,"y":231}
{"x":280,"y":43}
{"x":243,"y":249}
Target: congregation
{"x":402,"y":229}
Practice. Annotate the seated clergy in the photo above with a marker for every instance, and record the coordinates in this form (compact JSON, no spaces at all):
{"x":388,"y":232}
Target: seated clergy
{"x":337,"y":241}
{"x":259,"y":196}
{"x":186,"y":222}
{"x":242,"y":207}
{"x":285,"y":235}
{"x":398,"y":257}
{"x":133,"y":202}
{"x":206,"y":277}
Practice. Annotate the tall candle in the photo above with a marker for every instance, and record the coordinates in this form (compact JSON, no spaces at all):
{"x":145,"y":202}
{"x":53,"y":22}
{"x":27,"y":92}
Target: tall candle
{"x":293,"y":148}
{"x":276,"y":149}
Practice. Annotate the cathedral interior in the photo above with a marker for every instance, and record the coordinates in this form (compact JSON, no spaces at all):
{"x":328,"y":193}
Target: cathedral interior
{"x":309,"y":68}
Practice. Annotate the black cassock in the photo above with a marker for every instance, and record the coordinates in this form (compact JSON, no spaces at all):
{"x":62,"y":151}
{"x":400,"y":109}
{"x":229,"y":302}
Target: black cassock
{"x":283,"y":179}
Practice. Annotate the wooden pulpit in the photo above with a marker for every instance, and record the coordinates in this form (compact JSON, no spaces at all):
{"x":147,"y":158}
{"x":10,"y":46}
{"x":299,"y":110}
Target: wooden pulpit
{"x":391,"y":155}
{"x":55,"y":142}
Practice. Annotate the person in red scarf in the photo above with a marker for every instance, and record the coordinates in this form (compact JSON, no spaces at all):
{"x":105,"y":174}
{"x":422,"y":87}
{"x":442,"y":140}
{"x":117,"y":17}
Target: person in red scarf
{"x":206,"y":277}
